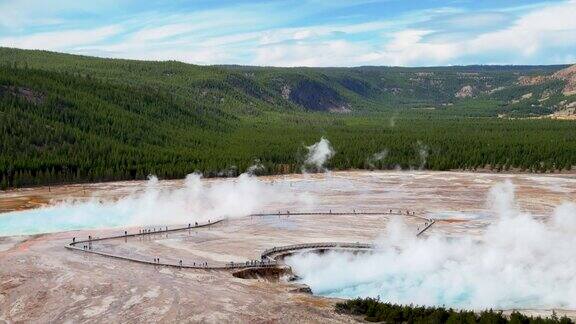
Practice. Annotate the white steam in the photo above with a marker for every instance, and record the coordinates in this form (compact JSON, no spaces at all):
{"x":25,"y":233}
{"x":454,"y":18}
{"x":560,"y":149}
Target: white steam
{"x":376,"y":157}
{"x":318,"y":154}
{"x":422,"y":151}
{"x":392,"y":121}
{"x":255,"y":168}
{"x":518,"y":262}
{"x":195,"y":201}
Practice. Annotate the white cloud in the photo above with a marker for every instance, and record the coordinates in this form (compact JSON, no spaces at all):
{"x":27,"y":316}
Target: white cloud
{"x":326,"y":53}
{"x":405,"y":47}
{"x":543,"y":28}
{"x":250,"y":34}
{"x":525,"y":40}
{"x":279,"y":35}
{"x":61,"y":40}
{"x":230,"y":39}
{"x":461,"y":21}
{"x":19,"y":14}
{"x":206,"y":24}
{"x":157,"y":33}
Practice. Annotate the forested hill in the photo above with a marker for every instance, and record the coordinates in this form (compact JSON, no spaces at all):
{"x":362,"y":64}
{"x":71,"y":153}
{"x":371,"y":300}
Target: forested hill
{"x":66,"y":118}
{"x":247,"y":89}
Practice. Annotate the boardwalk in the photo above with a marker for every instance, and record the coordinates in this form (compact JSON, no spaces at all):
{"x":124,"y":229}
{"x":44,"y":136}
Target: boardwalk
{"x":268,"y":258}
{"x":427,"y":225}
{"x":275,"y":252}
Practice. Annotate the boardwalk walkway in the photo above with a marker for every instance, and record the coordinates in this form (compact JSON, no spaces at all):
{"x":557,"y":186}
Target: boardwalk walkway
{"x":275,"y":252}
{"x":268,"y":258}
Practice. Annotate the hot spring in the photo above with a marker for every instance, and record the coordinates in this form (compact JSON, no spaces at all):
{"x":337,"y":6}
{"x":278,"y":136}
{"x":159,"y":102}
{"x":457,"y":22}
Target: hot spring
{"x":194,"y":200}
{"x":483,"y":253}
{"x":518,"y":262}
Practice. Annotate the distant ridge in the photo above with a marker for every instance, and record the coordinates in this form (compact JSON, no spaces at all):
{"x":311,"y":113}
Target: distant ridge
{"x":70,"y":118}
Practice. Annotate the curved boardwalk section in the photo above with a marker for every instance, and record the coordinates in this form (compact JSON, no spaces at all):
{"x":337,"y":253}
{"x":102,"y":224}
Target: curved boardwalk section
{"x":269,"y":258}
{"x":274,"y":253}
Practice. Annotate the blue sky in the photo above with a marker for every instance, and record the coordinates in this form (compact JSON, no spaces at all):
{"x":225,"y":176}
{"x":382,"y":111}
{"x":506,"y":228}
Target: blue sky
{"x":299,"y":33}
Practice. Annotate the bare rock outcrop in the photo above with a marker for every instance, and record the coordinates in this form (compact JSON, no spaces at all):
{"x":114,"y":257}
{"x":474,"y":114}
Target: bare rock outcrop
{"x":466,"y":91}
{"x":532,"y":80}
{"x":566,"y":110}
{"x":286,"y":89}
{"x":568,"y":75}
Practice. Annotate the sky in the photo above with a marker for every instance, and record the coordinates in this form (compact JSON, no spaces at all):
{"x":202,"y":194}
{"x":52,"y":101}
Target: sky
{"x":299,"y":32}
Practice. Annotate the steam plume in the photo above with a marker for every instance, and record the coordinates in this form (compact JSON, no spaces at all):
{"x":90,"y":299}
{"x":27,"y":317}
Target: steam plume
{"x":518,"y":262}
{"x":376,"y":157}
{"x":422,"y":154}
{"x":197,"y":200}
{"x":318,"y":154}
{"x":255,"y":168}
{"x":392,"y":121}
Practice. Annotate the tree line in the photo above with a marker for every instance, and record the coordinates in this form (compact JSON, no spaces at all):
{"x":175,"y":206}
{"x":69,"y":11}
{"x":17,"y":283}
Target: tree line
{"x":374,"y":310}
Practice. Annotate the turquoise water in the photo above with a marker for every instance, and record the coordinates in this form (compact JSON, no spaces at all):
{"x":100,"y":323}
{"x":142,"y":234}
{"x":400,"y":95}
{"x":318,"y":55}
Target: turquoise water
{"x":63,"y":218}
{"x":452,"y":273}
{"x":464,"y":299}
{"x":410,"y":289}
{"x":398,"y":294}
{"x":399,"y":289}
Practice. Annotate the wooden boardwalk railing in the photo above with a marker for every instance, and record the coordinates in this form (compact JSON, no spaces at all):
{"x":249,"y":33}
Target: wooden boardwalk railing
{"x":354,"y":212}
{"x":427,"y":225}
{"x":273,"y":253}
{"x":267,"y":258}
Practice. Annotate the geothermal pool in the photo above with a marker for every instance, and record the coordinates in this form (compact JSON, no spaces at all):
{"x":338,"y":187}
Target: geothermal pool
{"x":440,"y":195}
{"x":517,"y":262}
{"x":500,"y":241}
